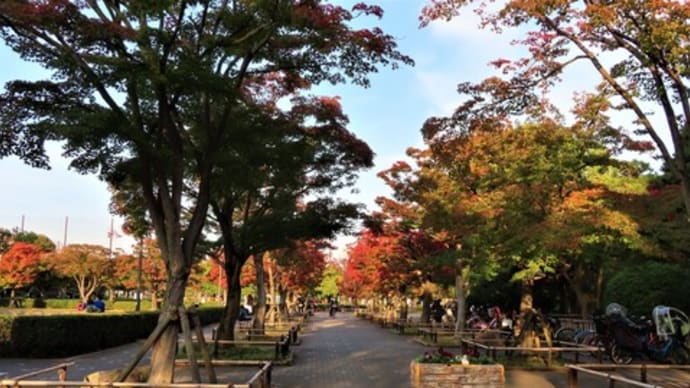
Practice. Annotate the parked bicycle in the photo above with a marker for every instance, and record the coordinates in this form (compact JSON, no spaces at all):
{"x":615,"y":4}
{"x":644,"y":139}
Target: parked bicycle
{"x":662,"y":340}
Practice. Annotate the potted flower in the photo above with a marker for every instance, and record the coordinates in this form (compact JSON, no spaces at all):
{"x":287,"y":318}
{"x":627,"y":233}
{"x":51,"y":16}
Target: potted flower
{"x":443,"y":368}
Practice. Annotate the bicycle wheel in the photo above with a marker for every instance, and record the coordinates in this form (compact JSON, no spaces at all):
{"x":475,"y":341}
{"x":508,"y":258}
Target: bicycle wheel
{"x":620,"y":355}
{"x":595,"y":340}
{"x":679,"y":355}
{"x":566,"y":334}
{"x":585,"y":336}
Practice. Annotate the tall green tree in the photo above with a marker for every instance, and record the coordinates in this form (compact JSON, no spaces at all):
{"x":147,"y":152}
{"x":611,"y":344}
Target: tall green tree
{"x":329,"y":282}
{"x":29,"y":237}
{"x":526,"y":198}
{"x":144,"y":92}
{"x":87,"y":265}
{"x":9,"y":237}
{"x":639,"y":48}
{"x":261,"y":202}
{"x":6,"y":239}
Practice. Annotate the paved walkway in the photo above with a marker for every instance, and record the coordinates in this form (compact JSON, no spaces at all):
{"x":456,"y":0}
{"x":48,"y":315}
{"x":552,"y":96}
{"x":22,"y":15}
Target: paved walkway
{"x":335,"y":352}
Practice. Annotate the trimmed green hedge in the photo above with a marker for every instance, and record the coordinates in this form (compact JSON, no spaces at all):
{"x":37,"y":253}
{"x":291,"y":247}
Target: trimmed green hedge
{"x":120,"y":304}
{"x":126,"y":304}
{"x":43,"y":336}
{"x":641,"y":287}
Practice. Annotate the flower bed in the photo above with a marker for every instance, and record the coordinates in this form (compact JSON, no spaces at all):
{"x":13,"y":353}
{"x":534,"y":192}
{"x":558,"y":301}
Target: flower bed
{"x":456,"y":375}
{"x":446,"y":370}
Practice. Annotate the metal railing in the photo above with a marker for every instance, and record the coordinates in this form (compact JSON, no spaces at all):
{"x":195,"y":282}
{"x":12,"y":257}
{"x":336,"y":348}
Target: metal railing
{"x":591,"y":369}
{"x":261,"y":379}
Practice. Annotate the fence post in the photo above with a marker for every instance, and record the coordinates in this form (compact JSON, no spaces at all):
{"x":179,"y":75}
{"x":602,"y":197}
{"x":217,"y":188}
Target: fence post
{"x":548,"y":358}
{"x":62,"y":375}
{"x":294,"y":335}
{"x":572,"y":378}
{"x":643,"y":373}
{"x":284,"y":346}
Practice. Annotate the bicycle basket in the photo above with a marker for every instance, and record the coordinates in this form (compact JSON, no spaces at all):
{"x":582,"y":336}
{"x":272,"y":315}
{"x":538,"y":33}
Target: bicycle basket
{"x":616,"y":309}
{"x":670,"y":321}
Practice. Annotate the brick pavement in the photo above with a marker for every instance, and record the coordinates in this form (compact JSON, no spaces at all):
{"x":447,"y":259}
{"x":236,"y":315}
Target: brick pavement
{"x":335,"y":352}
{"x":348,"y":352}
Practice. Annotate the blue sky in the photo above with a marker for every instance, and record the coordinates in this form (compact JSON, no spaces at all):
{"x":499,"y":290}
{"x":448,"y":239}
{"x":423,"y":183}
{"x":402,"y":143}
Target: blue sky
{"x":388,"y":116}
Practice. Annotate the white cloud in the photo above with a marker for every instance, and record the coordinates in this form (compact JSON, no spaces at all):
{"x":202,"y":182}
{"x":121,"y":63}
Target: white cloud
{"x":464,"y":27}
{"x":440,"y":89}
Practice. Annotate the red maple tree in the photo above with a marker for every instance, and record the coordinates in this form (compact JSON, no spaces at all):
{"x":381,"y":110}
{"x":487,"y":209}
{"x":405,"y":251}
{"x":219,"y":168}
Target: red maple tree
{"x":20,"y":266}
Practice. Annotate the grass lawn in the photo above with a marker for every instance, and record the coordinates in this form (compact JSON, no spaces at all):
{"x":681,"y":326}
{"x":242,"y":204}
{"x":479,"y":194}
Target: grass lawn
{"x":441,"y":341}
{"x":50,"y":311}
{"x":239,"y":352}
{"x":522,"y":362}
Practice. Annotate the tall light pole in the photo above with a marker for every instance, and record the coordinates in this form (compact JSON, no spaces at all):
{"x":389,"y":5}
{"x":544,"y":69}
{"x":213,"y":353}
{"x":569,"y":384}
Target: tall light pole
{"x":111,"y":235}
{"x":64,"y":238}
{"x":139,"y":265}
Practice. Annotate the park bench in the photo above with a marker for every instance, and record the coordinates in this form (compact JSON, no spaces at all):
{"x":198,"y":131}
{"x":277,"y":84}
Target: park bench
{"x":292,"y":334}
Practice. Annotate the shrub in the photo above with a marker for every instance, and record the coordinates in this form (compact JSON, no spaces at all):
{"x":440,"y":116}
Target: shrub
{"x":120,"y":304}
{"x":642,"y":286}
{"x":70,"y":334}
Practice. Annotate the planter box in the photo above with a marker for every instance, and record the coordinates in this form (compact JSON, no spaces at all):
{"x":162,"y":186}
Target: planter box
{"x":456,"y":375}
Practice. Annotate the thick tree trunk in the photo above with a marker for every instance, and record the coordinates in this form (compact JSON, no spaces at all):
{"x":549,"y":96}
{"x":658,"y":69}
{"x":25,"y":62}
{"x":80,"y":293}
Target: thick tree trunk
{"x":565,"y":305}
{"x":260,"y":310}
{"x":578,"y":285}
{"x":284,"y":306}
{"x":111,"y":295}
{"x":226,"y":329}
{"x":600,"y":287}
{"x":528,"y":332}
{"x":526,"y":298}
{"x":685,"y":190}
{"x":234,"y":301}
{"x":525,"y":306}
{"x":403,"y":308}
{"x":165,"y":348}
{"x":84,"y":293}
{"x":273,"y":310}
{"x":459,"y":297}
{"x":426,"y":306}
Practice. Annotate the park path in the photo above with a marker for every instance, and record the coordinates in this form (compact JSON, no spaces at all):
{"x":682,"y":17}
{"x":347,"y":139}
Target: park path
{"x":348,"y":352}
{"x":342,"y":351}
